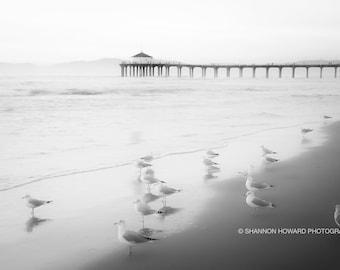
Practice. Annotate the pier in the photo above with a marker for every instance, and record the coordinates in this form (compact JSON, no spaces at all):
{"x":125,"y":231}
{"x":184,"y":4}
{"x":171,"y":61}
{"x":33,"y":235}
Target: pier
{"x":143,"y":65}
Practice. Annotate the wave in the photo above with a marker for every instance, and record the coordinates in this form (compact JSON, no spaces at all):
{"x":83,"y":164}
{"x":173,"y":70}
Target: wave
{"x":85,"y":92}
{"x":219,"y":145}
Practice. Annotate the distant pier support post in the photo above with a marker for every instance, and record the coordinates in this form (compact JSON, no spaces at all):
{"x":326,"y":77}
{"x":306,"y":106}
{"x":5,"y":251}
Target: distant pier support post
{"x":228,"y":72}
{"x":254,"y":72}
{"x":191,"y":72}
{"x":204,"y":72}
{"x":167,"y":71}
{"x":321,"y":68}
{"x":122,"y":71}
{"x":241,"y":72}
{"x":179,"y":71}
{"x":335,"y":71}
{"x":307,"y":72}
{"x":215,"y":72}
{"x":293,"y":72}
{"x":280,"y":72}
{"x":267,"y":72}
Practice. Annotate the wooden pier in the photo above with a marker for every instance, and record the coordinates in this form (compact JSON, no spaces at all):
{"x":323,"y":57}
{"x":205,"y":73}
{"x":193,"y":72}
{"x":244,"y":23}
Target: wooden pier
{"x":143,"y":65}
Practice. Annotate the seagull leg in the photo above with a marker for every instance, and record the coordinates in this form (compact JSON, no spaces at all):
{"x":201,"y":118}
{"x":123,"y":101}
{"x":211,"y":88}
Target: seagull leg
{"x":149,"y":187}
{"x":130,"y":250}
{"x":143,"y":221}
{"x":164,"y":201}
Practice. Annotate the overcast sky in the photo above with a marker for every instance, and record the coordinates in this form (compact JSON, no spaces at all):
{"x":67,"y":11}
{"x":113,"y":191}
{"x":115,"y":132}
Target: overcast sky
{"x":46,"y":31}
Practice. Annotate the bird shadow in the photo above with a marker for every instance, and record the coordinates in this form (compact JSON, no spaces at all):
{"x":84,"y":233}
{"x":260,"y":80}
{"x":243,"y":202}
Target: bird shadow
{"x":34,"y":222}
{"x":209,"y":176}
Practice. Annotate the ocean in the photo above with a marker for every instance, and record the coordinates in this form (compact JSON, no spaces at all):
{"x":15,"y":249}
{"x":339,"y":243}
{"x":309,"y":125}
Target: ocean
{"x":53,"y":126}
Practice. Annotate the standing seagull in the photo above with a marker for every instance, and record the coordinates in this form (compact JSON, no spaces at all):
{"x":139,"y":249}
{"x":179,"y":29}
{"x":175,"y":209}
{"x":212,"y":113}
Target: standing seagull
{"x":253,"y":186}
{"x":33,"y":203}
{"x":212,"y":154}
{"x":208,"y":162}
{"x":266,"y":151}
{"x":142,"y":164}
{"x":131,"y":238}
{"x":143,"y":209}
{"x":165,"y":190}
{"x":149,"y":180}
{"x":337,"y":215}
{"x":147,"y":158}
{"x":256,"y":202}
{"x":269,"y":160}
{"x":306,"y":130}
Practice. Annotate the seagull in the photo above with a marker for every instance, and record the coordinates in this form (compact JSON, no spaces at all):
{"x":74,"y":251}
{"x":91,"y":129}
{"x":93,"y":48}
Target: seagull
{"x":142,"y":164}
{"x":131,"y":238}
{"x":269,"y":160}
{"x":252,"y":185}
{"x":143,"y":209}
{"x":327,"y":117}
{"x":337,"y":215}
{"x":165,"y":190}
{"x":256,"y":202}
{"x":33,"y":203}
{"x":212,"y":154}
{"x":147,"y":158}
{"x":267,"y":151}
{"x":149,"y":172}
{"x":149,"y":179}
{"x":306,"y":130}
{"x":208,"y":162}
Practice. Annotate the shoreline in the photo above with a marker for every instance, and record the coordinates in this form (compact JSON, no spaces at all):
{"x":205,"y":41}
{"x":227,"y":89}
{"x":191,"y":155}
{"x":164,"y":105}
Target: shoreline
{"x":85,"y":224}
{"x":309,"y":192}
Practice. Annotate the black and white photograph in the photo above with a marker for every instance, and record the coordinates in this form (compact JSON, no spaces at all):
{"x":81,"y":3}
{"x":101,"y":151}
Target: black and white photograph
{"x":169,"y":135}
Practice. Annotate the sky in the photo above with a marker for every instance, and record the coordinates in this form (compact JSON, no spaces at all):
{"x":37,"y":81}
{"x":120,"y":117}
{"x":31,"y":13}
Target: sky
{"x":214,"y":31}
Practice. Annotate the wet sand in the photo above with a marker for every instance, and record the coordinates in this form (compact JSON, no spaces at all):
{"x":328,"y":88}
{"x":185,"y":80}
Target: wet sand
{"x":307,"y":188}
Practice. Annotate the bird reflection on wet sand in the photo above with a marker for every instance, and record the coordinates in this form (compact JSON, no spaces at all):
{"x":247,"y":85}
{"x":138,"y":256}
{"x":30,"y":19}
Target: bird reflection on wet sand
{"x":33,"y":222}
{"x":209,"y":176}
{"x":167,"y":211}
{"x":149,"y":197}
{"x":306,"y":141}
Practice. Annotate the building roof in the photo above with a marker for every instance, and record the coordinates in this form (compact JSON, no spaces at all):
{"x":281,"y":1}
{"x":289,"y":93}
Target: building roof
{"x":141,"y":54}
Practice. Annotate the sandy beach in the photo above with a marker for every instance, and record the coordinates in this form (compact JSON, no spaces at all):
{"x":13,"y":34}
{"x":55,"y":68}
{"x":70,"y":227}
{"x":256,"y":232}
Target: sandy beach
{"x":76,"y":231}
{"x":306,"y":192}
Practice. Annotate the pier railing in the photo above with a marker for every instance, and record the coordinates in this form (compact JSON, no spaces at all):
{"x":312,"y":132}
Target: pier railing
{"x":152,"y":67}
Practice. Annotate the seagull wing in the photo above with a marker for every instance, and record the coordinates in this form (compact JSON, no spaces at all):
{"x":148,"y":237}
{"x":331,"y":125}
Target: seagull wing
{"x":260,"y":202}
{"x":36,"y":202}
{"x":136,"y":238}
{"x":168,"y":190}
